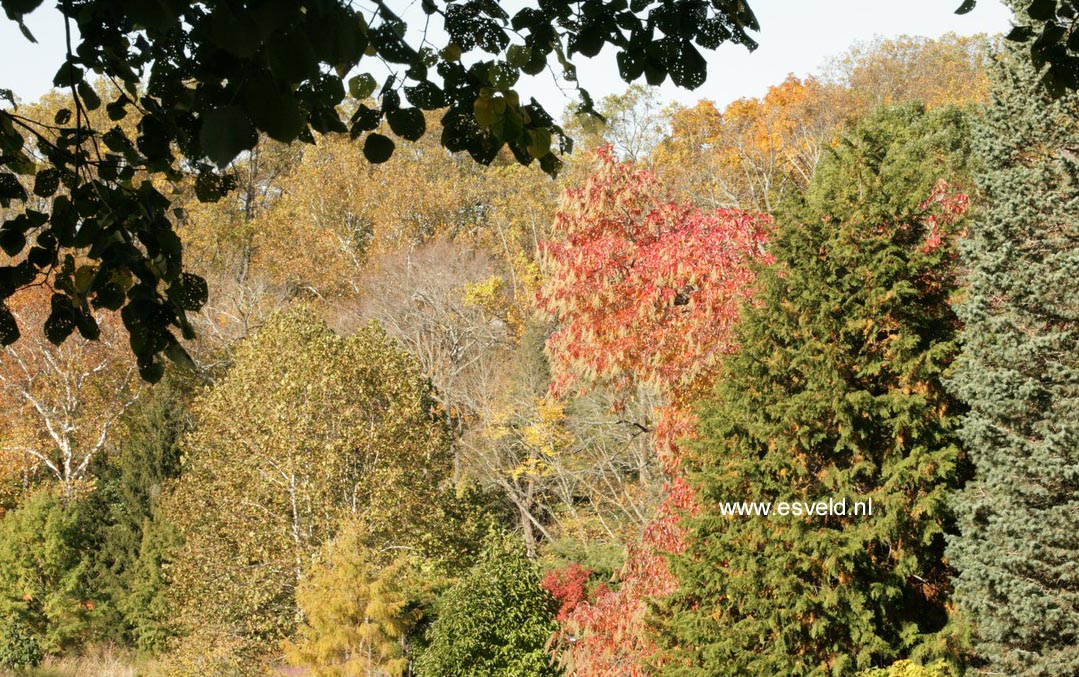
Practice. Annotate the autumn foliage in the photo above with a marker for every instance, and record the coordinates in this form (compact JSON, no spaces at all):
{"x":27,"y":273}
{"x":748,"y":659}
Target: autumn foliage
{"x":645,"y":289}
{"x":646,"y":292}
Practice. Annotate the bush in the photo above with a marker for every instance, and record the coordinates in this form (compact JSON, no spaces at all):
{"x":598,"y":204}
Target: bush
{"x":495,"y":622}
{"x":44,"y":572}
{"x":909,"y":669}
{"x":18,"y":646}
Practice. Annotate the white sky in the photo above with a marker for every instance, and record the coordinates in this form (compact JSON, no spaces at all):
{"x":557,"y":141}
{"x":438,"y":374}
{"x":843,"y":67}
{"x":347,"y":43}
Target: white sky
{"x":797,"y":36}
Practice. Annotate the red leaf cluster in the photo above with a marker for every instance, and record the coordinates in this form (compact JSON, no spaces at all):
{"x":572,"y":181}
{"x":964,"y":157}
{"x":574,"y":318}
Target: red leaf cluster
{"x":569,"y":586}
{"x":645,"y":290}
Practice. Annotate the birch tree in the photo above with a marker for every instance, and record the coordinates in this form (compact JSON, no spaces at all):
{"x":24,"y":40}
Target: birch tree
{"x":62,"y":401}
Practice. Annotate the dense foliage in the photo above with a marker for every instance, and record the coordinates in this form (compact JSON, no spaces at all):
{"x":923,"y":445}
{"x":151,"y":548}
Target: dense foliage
{"x":1019,"y":372}
{"x":496,"y":431}
{"x":495,"y":622}
{"x":835,"y":393}
{"x":305,"y":429}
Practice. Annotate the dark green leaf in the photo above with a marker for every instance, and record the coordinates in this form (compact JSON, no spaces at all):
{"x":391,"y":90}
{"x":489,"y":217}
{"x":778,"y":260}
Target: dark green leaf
{"x":361,"y":86}
{"x":10,"y":189}
{"x":9,"y":328}
{"x":61,"y":320}
{"x":377,"y":148}
{"x":225,"y":133}
{"x":68,"y":75}
{"x":46,"y":182}
{"x":89,"y":97}
{"x":966,"y":6}
{"x":407,"y":123}
{"x":274,"y":112}
{"x":1042,"y":10}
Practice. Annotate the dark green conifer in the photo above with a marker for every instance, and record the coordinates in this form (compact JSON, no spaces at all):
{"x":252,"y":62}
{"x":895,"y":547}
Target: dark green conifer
{"x":835,"y":394}
{"x":1018,"y":553}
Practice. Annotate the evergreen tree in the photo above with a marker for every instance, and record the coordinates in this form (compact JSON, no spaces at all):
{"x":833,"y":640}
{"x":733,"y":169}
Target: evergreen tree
{"x":495,"y":621}
{"x":136,"y":539}
{"x":836,"y":394}
{"x":46,"y":589}
{"x":1018,"y":553}
{"x":360,"y":609}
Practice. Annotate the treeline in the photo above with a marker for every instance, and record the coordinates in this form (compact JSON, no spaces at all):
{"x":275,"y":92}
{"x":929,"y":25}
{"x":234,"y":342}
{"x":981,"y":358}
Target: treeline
{"x":446,"y":419}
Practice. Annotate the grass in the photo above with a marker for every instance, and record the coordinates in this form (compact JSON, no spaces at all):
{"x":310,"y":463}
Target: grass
{"x":98,"y":661}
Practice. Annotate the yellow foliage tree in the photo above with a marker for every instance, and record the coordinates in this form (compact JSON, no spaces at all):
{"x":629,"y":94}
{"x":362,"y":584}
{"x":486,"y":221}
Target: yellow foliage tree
{"x":357,"y":614}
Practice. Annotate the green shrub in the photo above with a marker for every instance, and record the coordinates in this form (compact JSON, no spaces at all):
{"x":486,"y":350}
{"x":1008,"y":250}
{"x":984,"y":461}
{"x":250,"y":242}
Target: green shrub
{"x":909,"y":669}
{"x":18,"y":646}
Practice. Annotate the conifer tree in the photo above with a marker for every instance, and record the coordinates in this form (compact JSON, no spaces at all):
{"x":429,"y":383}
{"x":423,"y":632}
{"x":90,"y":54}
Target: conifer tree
{"x":1018,"y":552}
{"x":359,"y":609}
{"x":836,"y":394}
{"x":136,"y":539}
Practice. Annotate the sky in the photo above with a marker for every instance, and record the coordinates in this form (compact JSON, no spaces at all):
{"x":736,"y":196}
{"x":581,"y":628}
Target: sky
{"x":796,"y":36}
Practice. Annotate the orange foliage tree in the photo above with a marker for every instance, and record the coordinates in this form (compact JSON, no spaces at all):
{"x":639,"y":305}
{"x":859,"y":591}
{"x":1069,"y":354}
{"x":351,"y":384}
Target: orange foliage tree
{"x":751,"y":152}
{"x":645,"y":292}
{"x":61,"y":402}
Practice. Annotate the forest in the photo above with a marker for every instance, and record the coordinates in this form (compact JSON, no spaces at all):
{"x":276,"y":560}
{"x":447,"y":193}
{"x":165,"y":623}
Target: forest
{"x":442,"y":418}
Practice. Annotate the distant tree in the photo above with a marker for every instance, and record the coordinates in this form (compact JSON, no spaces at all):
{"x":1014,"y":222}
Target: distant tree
{"x":63,"y":402}
{"x":949,"y":70}
{"x":755,"y":151}
{"x":834,"y":393}
{"x":495,"y":622}
{"x":1019,"y":374}
{"x":645,"y":292}
{"x":632,"y":122}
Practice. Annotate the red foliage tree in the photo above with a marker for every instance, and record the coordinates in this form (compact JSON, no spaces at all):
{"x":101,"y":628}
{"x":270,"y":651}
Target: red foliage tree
{"x":645,"y":292}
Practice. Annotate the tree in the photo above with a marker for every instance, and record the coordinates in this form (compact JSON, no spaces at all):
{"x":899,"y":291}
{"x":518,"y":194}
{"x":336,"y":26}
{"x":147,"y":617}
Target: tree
{"x":358,"y":611}
{"x":46,"y":584}
{"x":206,"y":79}
{"x":1048,"y":27}
{"x":136,"y":541}
{"x":834,"y":393}
{"x":305,"y":429}
{"x":1019,"y":518}
{"x":949,"y":70}
{"x":645,"y":291}
{"x":754,"y":151}
{"x":63,"y":400}
{"x":495,"y":622}
{"x":575,"y":472}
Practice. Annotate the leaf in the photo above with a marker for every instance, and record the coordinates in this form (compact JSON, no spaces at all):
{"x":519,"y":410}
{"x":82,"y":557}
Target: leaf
{"x":69,"y":74}
{"x":361,"y":86}
{"x":9,"y":328}
{"x":225,"y":133}
{"x":26,"y":32}
{"x":10,"y":189}
{"x":966,"y":6}
{"x":189,"y":292}
{"x":377,"y":148}
{"x":89,"y":97}
{"x":61,"y":320}
{"x":46,"y":182}
{"x":1042,"y":10}
{"x":407,"y":123}
{"x":275,"y":112}
{"x":178,"y":356}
